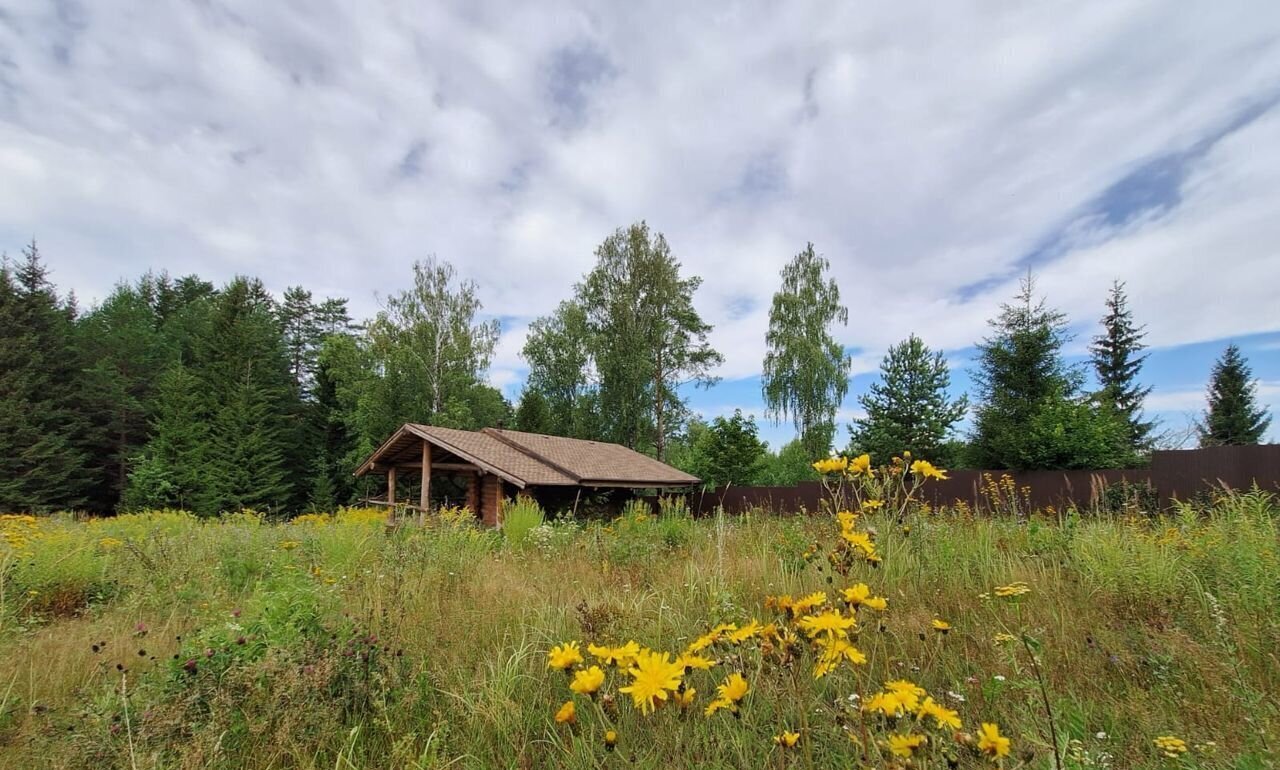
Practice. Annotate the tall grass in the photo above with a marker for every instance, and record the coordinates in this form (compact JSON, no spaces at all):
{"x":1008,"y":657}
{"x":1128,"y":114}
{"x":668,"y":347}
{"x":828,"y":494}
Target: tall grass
{"x":333,"y":642}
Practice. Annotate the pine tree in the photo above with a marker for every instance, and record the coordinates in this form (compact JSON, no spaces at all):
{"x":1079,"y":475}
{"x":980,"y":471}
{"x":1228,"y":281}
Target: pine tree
{"x":1234,"y":415}
{"x":246,"y":457}
{"x":1117,"y":361}
{"x":806,"y":371}
{"x":910,"y":408}
{"x":43,"y":431}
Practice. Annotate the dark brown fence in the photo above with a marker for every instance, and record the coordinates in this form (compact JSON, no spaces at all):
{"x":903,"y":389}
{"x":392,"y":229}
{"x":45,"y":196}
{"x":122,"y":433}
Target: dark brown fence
{"x":1177,"y":474}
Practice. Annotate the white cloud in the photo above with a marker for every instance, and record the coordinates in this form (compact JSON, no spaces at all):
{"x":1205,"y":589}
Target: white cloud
{"x":922,"y":147}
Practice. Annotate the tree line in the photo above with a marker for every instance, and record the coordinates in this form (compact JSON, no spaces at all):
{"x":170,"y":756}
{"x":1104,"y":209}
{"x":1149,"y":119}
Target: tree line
{"x":174,"y":392}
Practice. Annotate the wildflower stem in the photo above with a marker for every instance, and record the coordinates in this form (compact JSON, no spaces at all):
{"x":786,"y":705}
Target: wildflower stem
{"x":1044,"y":695}
{"x":128,"y":728}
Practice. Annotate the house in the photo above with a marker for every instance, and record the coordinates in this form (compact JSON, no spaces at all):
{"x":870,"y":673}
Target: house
{"x":479,"y":468}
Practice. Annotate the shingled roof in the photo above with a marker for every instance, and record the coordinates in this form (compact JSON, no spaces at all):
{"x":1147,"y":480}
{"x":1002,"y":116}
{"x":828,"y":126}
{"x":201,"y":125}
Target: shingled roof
{"x":529,"y":459}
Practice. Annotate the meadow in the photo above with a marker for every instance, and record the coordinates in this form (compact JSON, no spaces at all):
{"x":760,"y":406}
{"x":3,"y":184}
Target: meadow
{"x":941,"y":638}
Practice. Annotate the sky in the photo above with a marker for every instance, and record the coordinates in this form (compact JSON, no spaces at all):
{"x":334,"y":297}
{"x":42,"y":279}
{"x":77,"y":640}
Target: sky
{"x":933,"y":152}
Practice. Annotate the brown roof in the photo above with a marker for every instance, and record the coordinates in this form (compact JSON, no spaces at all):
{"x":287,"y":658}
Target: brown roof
{"x":528,"y":459}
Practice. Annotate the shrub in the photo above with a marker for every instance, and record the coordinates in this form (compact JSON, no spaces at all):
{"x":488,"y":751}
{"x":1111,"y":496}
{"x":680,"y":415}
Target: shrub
{"x":519,"y":517}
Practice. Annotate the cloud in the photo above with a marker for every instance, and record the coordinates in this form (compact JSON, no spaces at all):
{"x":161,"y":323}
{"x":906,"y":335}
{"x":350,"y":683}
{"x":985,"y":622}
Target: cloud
{"x":930,"y":152}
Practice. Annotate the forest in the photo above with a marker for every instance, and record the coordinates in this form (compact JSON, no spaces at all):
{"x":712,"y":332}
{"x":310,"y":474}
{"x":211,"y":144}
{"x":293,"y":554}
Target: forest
{"x":174,"y":392}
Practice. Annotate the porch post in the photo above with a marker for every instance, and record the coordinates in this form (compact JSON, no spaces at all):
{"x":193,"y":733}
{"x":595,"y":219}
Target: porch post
{"x":391,"y":488}
{"x":426,"y":476}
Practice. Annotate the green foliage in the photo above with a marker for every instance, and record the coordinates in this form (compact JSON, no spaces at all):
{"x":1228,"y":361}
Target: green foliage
{"x":806,"y":371}
{"x":1117,"y":361}
{"x":633,"y":324}
{"x":790,"y":466}
{"x":533,"y":414}
{"x":1030,"y":411}
{"x":44,"y":430}
{"x":728,"y":451}
{"x":558,"y":355}
{"x":1234,"y":415}
{"x":519,"y":517}
{"x":910,"y":408}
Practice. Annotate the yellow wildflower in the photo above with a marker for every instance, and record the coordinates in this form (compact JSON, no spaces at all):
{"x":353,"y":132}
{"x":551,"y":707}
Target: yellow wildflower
{"x":908,"y":693}
{"x":734,"y":689}
{"x":859,"y":540}
{"x":1003,"y":638}
{"x":924,"y":469}
{"x":831,"y":623}
{"x":1171,"y":746}
{"x":941,"y":626}
{"x":610,"y":739}
{"x":587,"y":681}
{"x":1013,"y":589}
{"x":684,"y":698}
{"x":564,"y":656}
{"x":652,"y":677}
{"x":872,"y":505}
{"x":748,"y":631}
{"x":833,"y":652}
{"x":860,"y":464}
{"x":621,"y":656}
{"x":567,"y":714}
{"x":690,"y":660}
{"x":904,"y":745}
{"x":886,"y":703}
{"x":859,"y":595}
{"x":991,"y":742}
{"x":787,"y":740}
{"x":942,"y":716}
{"x":831,"y":465}
{"x":805,"y":604}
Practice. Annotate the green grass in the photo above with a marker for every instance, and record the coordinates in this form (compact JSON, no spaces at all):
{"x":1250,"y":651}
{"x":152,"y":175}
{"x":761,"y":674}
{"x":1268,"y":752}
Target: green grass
{"x":341,"y":644}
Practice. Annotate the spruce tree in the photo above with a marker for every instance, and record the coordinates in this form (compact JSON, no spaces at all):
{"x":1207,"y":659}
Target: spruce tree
{"x":1030,"y":412}
{"x":1117,"y":361}
{"x":910,"y":408}
{"x":1234,"y":415}
{"x":172,"y":472}
{"x":44,"y":433}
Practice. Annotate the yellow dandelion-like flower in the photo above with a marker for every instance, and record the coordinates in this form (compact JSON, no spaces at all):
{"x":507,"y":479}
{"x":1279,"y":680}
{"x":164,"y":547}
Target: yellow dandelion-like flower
{"x":621,"y":656}
{"x":942,"y":716}
{"x":859,"y":595}
{"x":886,"y":703}
{"x":847,"y":519}
{"x":734,"y":689}
{"x":1171,"y":746}
{"x":860,"y":540}
{"x":908,"y":693}
{"x":860,"y":465}
{"x":1003,"y":638}
{"x":690,"y":660}
{"x":872,"y":505}
{"x":588,"y":681}
{"x":748,"y":631}
{"x":610,"y":739}
{"x":905,"y":745}
{"x":833,"y":653}
{"x":941,"y":626}
{"x":567,"y":714}
{"x":803,"y":605}
{"x":653,"y":677}
{"x":831,"y":465}
{"x":831,"y":623}
{"x":564,"y":656}
{"x":1013,"y":589}
{"x":684,"y":698}
{"x":787,"y":740}
{"x":925,"y":469}
{"x":991,"y":742}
